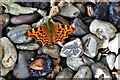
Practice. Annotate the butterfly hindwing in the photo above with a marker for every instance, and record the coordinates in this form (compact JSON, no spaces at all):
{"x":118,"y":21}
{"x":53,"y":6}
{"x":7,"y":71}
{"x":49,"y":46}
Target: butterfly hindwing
{"x":61,"y":32}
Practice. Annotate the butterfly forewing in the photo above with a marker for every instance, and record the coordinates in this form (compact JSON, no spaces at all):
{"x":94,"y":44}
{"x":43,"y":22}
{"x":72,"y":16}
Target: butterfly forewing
{"x":40,"y":33}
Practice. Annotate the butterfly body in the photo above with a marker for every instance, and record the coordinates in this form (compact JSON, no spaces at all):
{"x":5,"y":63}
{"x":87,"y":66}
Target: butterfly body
{"x":49,"y":33}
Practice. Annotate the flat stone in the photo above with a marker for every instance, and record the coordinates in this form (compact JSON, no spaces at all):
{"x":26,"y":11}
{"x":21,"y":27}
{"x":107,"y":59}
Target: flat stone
{"x":21,"y":69}
{"x":17,"y":34}
{"x":69,"y":11}
{"x":74,"y":63}
{"x":65,"y":74}
{"x":81,"y":28}
{"x":28,"y":46}
{"x":100,"y":71}
{"x":52,"y":50}
{"x":84,"y":72}
{"x":72,"y":48}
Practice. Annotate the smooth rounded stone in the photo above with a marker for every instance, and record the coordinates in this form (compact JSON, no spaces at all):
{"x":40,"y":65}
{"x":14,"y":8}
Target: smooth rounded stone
{"x":4,"y":20}
{"x":84,"y":72}
{"x":91,"y":45}
{"x":81,"y":8}
{"x":69,"y":11}
{"x":29,"y":54}
{"x":2,"y":78}
{"x":102,"y":29}
{"x":25,"y":19}
{"x":10,"y":53}
{"x":110,"y":58}
{"x":72,"y":48}
{"x":101,"y":11}
{"x":100,"y":71}
{"x":28,"y":46}
{"x":21,"y":69}
{"x":17,"y":34}
{"x":51,"y":50}
{"x":66,"y":73}
{"x":114,"y":44}
{"x":87,"y":20}
{"x":117,"y":65}
{"x":74,"y":63}
{"x":81,"y":28}
{"x":114,"y":13}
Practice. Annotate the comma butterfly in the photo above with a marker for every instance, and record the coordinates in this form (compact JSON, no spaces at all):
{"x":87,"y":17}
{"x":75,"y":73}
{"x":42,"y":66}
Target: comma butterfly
{"x":50,"y":32}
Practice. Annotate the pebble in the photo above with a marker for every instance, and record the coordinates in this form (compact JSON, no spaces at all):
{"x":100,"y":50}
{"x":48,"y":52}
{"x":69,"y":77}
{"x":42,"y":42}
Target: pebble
{"x":84,"y":72}
{"x":114,"y":44}
{"x":110,"y":58}
{"x":4,"y":70}
{"x":91,"y":45}
{"x":52,"y":50}
{"x":81,"y":8}
{"x":87,"y":61}
{"x":66,"y":73}
{"x":102,"y":29}
{"x":25,"y":19}
{"x":114,"y":13}
{"x":117,"y":65}
{"x":4,"y":20}
{"x":10,"y":54}
{"x":100,"y":71}
{"x":69,"y":11}
{"x":21,"y":69}
{"x":81,"y":28}
{"x":17,"y":34}
{"x":101,"y":11}
{"x":72,"y":48}
{"x":2,"y":78}
{"x":74,"y":63}
{"x":29,"y":46}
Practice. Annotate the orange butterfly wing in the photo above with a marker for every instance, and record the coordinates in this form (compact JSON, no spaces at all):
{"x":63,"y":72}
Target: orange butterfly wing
{"x":61,"y":32}
{"x":40,"y":33}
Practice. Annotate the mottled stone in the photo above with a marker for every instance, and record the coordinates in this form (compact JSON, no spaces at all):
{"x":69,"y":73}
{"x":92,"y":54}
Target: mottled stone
{"x":72,"y":48}
{"x":102,"y":29}
{"x":114,"y":16}
{"x":101,"y":11}
{"x":17,"y":34}
{"x":10,"y":53}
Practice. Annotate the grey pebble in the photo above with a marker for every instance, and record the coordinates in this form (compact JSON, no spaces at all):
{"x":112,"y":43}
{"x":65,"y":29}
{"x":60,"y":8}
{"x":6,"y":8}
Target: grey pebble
{"x":17,"y":34}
